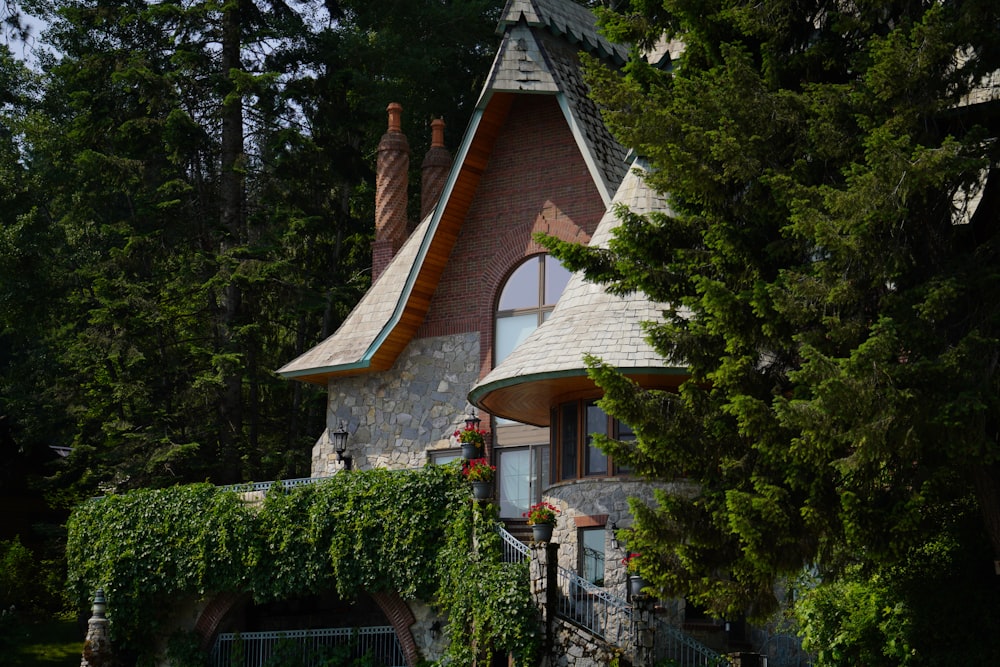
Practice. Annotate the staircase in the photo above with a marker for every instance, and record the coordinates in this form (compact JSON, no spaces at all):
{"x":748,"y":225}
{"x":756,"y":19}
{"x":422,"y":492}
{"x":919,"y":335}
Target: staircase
{"x":608,"y":619}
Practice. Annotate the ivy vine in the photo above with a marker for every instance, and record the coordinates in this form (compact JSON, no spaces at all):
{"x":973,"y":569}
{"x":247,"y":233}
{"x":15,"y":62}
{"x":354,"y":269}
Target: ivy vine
{"x":372,"y":530}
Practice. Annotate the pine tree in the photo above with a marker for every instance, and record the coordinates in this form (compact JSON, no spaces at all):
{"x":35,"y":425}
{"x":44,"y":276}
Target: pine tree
{"x":830,"y":264}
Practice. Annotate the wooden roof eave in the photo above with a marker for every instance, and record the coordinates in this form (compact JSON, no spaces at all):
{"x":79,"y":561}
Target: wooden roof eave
{"x":432,"y":257}
{"x":529,"y":398}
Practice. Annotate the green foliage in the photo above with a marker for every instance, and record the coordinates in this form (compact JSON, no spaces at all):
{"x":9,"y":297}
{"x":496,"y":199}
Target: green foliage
{"x":373,"y":530}
{"x":17,"y":575}
{"x":895,"y":614}
{"x":144,"y":300}
{"x":839,"y":325}
{"x":488,"y":602}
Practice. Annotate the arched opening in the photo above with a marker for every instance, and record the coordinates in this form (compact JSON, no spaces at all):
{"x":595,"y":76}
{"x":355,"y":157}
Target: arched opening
{"x":237,"y":631}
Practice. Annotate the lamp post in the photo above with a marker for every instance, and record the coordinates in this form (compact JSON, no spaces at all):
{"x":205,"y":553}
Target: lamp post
{"x":340,"y":444}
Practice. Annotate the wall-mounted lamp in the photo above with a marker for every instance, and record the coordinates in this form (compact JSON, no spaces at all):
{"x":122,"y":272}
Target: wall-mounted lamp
{"x":340,"y":444}
{"x":436,"y":630}
{"x":471,"y":420}
{"x":613,"y":529}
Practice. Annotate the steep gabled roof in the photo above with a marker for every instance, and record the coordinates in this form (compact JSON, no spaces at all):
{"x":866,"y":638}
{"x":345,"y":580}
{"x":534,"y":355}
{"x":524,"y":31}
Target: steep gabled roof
{"x":548,"y":364}
{"x":538,"y":54}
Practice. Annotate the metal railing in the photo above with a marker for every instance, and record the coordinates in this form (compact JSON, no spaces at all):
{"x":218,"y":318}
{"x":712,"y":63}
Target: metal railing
{"x":309,"y":648}
{"x":247,"y":487}
{"x":671,"y":643}
{"x":596,"y":610}
{"x":514,"y":550}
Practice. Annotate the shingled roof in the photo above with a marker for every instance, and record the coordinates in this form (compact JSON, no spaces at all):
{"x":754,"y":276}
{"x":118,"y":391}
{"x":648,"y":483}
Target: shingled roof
{"x":586,"y":320}
{"x":538,"y":54}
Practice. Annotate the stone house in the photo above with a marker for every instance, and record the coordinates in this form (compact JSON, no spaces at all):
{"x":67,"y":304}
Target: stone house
{"x":467,"y":313}
{"x":452,"y":320}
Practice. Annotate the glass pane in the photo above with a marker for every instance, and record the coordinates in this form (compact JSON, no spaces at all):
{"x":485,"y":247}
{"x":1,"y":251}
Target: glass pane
{"x":511,"y":331}
{"x":567,"y":441}
{"x":625,"y":434}
{"x":597,"y":422}
{"x":592,"y":555}
{"x":542,"y":473}
{"x":521,"y":289}
{"x":514,"y":476}
{"x":440,"y":458}
{"x":556,"y":277}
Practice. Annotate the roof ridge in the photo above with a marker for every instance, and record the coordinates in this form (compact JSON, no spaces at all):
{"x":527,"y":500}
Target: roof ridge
{"x":567,"y":19}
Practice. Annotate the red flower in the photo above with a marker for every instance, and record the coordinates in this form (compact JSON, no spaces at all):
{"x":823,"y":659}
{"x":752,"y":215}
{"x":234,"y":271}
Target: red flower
{"x":541,"y":513}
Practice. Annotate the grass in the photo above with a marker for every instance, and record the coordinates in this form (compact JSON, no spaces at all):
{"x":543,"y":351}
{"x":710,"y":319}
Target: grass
{"x":55,"y":642}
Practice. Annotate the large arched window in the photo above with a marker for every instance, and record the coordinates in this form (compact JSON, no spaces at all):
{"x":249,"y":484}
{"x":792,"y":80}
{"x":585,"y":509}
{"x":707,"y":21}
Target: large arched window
{"x":528,"y":296}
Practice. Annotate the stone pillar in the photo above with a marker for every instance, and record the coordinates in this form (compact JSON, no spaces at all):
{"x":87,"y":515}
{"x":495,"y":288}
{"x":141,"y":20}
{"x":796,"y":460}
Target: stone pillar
{"x":543,"y":573}
{"x":642,"y":612}
{"x":97,"y":646}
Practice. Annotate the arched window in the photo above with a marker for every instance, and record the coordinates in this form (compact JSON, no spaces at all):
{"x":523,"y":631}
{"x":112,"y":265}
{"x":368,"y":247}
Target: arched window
{"x":528,"y":296}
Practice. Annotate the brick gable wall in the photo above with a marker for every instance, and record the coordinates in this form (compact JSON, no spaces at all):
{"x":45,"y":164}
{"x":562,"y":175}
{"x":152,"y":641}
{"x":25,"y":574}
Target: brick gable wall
{"x":536,"y":180}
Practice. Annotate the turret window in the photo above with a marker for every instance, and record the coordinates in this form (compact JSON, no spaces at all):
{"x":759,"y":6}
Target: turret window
{"x":574,"y":426}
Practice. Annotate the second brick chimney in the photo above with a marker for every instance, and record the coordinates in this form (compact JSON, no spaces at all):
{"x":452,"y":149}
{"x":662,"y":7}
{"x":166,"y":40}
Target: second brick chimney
{"x":391,"y":169}
{"x":434,"y":169}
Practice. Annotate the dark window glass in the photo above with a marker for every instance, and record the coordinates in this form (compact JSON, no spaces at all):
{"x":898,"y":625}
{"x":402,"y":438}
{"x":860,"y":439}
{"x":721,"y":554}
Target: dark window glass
{"x":591,"y":541}
{"x":568,"y":441}
{"x":597,"y":422}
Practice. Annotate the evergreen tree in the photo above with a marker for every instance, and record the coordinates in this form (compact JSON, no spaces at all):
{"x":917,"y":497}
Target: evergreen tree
{"x":830,"y":265}
{"x":200,"y":192}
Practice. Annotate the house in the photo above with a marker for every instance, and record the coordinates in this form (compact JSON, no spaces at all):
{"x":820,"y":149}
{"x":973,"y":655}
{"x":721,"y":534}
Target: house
{"x":468,"y":314}
{"x":443,"y":328}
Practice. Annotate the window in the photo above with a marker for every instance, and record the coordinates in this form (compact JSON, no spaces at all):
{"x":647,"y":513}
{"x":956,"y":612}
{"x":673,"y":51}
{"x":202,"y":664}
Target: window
{"x":442,"y":456}
{"x":591,"y":542}
{"x":573,"y":427}
{"x":520,"y":471}
{"x":527,"y":298}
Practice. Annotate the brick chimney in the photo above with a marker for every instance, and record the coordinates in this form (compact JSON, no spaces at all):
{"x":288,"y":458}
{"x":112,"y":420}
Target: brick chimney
{"x":390,"y":192}
{"x":434,"y":169}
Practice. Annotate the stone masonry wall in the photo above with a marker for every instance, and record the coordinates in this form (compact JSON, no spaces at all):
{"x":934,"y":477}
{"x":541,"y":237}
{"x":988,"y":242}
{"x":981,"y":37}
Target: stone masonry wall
{"x":394,"y":417}
{"x":598,"y":502}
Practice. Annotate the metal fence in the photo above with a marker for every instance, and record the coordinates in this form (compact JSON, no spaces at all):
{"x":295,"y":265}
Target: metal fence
{"x":249,"y":487}
{"x":593,"y":608}
{"x":514,"y":550}
{"x":310,"y":648}
{"x":672,"y":644}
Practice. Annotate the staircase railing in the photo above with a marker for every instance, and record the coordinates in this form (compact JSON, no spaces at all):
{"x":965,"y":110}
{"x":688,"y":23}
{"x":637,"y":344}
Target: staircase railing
{"x":671,"y":643}
{"x":609,"y":617}
{"x":596,"y":610}
{"x":514,"y":550}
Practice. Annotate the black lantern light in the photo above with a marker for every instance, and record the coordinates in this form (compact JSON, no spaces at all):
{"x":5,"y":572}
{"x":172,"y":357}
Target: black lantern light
{"x":471,"y":420}
{"x":340,"y":444}
{"x":613,"y":529}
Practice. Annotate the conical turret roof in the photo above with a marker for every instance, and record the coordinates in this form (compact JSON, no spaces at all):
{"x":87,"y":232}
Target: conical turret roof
{"x":548,"y":365}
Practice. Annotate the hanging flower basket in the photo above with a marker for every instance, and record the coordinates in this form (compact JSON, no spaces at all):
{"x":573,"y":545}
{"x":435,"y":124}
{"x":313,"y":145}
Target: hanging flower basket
{"x":542,"y":532}
{"x":635,"y":584}
{"x":472,"y":440}
{"x":542,"y":519}
{"x":482,"y":490}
